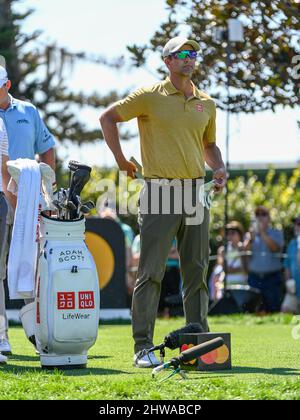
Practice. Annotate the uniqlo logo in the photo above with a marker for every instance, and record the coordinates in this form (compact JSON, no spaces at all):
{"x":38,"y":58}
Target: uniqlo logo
{"x":86,"y":300}
{"x":200,"y":108}
{"x":66,"y":300}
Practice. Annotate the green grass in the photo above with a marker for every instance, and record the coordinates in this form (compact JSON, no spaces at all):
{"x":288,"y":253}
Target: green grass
{"x":265,"y":357}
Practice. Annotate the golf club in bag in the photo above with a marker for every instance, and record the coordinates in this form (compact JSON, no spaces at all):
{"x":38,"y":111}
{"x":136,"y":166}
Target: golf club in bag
{"x":63,"y":320}
{"x":80,"y":174}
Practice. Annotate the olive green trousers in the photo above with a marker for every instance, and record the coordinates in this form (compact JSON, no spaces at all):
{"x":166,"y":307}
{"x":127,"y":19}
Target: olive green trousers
{"x":157,"y":232}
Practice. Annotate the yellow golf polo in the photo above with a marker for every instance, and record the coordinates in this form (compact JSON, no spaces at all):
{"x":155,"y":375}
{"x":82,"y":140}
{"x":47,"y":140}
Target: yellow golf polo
{"x":173,"y":129}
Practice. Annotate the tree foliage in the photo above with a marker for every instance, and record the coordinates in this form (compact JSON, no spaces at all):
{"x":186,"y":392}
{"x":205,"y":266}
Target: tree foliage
{"x":281,"y":197}
{"x":39,"y":72}
{"x":261,"y":67}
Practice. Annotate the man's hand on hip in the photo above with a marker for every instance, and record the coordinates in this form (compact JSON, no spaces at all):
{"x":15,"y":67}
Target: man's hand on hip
{"x":127,"y":166}
{"x":220,"y":178}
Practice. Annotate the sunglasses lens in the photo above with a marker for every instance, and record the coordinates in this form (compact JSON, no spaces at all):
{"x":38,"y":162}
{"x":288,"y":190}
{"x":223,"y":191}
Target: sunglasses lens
{"x":182,"y":55}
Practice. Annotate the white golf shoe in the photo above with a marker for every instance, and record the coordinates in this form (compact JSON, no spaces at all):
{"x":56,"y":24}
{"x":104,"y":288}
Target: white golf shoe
{"x":5,"y":348}
{"x":3,"y":359}
{"x":145,"y":361}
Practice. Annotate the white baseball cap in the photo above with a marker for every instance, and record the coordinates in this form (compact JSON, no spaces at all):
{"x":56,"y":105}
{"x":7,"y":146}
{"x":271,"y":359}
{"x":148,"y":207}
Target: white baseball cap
{"x":3,"y":76}
{"x":174,"y":44}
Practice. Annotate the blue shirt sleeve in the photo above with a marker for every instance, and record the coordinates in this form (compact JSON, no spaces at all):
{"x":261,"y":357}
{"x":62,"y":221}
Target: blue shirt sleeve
{"x":44,"y":140}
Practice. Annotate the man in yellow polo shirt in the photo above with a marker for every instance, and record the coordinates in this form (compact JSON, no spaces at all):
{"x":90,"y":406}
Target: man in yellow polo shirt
{"x":177,"y":126}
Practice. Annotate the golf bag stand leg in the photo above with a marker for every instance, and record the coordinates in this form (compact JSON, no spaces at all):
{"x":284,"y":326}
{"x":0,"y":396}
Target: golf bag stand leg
{"x":67,"y":300}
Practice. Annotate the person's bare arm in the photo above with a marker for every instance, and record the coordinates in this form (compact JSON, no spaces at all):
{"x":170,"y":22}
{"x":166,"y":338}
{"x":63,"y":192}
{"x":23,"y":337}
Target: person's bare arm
{"x":213,"y":158}
{"x":108,"y":121}
{"x":5,"y":180}
{"x":249,"y":238}
{"x":271,"y":244}
{"x":48,"y":158}
{"x":220,"y":255}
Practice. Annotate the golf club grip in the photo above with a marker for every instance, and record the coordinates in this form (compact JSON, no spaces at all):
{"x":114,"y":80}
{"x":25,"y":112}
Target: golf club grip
{"x":74,"y":166}
{"x":200,"y":350}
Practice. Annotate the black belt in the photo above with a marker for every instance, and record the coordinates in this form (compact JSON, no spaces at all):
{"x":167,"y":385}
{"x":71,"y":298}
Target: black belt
{"x":181,"y":180}
{"x":268,"y":273}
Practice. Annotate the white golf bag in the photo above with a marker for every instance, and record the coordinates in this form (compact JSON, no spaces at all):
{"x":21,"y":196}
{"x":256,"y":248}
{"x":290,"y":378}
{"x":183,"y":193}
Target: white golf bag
{"x":67,"y":303}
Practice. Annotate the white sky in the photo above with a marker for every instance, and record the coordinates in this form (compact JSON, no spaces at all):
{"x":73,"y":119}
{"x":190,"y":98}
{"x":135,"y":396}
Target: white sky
{"x":105,"y":27}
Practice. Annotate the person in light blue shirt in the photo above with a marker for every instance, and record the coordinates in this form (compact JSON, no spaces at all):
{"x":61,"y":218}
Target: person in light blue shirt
{"x":292,"y":265}
{"x":27,"y":136}
{"x":265,"y":264}
{"x":26,"y":131}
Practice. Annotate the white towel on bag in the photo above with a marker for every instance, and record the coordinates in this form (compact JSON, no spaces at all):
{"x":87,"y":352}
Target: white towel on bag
{"x":48,"y":179}
{"x":24,"y":244}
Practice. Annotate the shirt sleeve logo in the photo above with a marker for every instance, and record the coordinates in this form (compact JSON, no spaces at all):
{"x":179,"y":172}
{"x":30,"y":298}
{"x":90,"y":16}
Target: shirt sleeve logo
{"x":199,"y":108}
{"x":47,"y":136}
{"x":24,"y":121}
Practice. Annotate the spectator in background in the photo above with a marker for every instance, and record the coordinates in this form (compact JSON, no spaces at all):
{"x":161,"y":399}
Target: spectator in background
{"x":3,"y":200}
{"x":291,"y":301}
{"x":134,"y":263}
{"x":235,"y":266}
{"x":171,"y":283}
{"x":108,"y":211}
{"x":265,"y":264}
{"x":27,"y":136}
{"x":3,"y":216}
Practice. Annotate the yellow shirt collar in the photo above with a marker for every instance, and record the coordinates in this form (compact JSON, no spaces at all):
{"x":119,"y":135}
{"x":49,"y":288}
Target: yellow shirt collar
{"x":171,"y":89}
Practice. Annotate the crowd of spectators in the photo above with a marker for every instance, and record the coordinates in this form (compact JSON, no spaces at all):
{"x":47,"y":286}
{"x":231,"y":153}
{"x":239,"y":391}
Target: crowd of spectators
{"x":257,"y":259}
